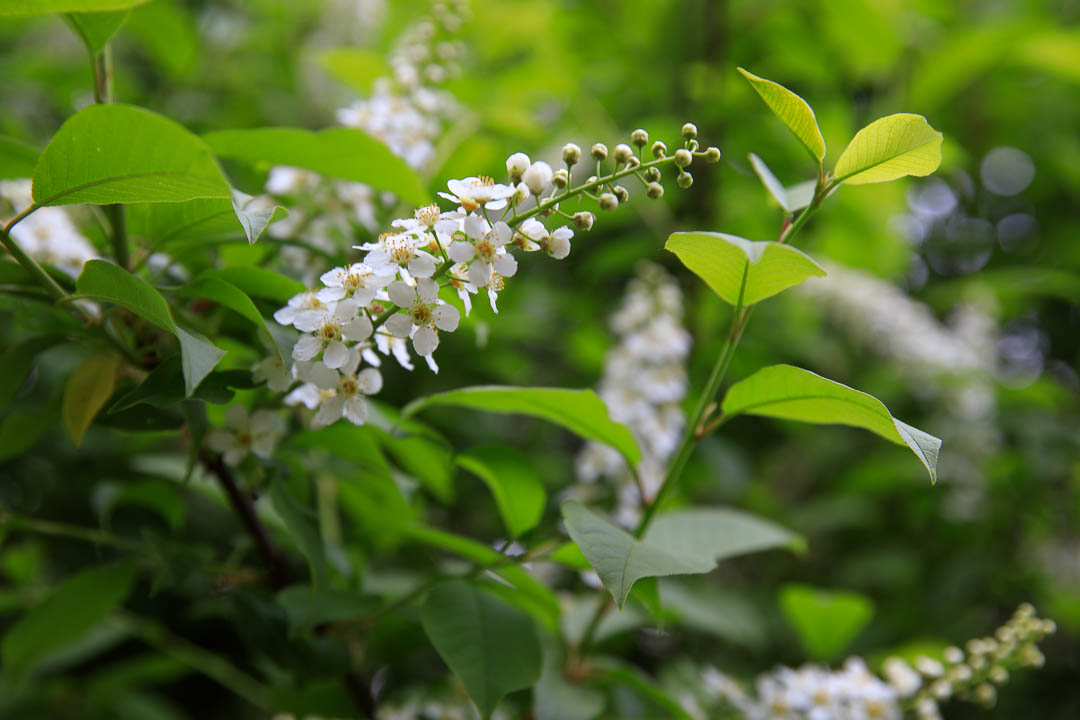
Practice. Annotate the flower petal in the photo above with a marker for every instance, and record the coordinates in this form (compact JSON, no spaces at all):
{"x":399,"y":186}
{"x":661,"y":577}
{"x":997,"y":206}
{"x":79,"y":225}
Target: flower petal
{"x":425,"y":341}
{"x":427,"y":290}
{"x":356,"y":410}
{"x":506,"y":265}
{"x":422,"y":266}
{"x":475,"y":227}
{"x":307,"y":347}
{"x":358,"y":329}
{"x":329,"y":412}
{"x":369,"y":381}
{"x":399,"y":325}
{"x":461,"y":251}
{"x":446,"y":317}
{"x":401,"y":294}
{"x":335,"y":354}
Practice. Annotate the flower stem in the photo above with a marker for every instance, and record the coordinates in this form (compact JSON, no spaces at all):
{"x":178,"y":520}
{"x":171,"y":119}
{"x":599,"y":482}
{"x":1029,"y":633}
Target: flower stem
{"x":28,"y":263}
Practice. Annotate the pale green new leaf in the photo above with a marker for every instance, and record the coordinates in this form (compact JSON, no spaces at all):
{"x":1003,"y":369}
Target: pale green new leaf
{"x":725,"y":261}
{"x":491,"y":646}
{"x":96,"y":28}
{"x":107,"y":154}
{"x":355,"y":67}
{"x":579,"y":411}
{"x":888,"y":148}
{"x":825,"y":621}
{"x":345,"y":153}
{"x":85,"y":393}
{"x":519,"y":494}
{"x":795,"y":112}
{"x":791,"y":393}
{"x":28,"y":8}
{"x":770,"y":181}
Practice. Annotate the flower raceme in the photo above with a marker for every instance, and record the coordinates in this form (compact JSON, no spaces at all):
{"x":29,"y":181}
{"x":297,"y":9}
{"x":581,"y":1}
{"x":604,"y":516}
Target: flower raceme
{"x":391,"y":297}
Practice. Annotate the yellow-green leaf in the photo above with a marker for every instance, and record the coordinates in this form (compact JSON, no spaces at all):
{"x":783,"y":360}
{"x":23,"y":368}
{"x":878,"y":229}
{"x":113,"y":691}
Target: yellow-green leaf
{"x":86,"y":392}
{"x":889,"y":148}
{"x":795,"y":112}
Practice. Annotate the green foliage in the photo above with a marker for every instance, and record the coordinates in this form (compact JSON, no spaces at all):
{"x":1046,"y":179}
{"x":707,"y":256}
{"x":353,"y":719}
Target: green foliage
{"x":792,"y":110}
{"x":517,"y":489}
{"x":95,"y":29}
{"x":86,"y":392}
{"x":355,"y":67}
{"x":890,"y":148}
{"x":825,"y":621}
{"x":17,"y":158}
{"x":24,"y":8}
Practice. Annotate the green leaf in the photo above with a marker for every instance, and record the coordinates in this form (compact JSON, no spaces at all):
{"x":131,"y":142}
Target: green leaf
{"x":101,"y":280}
{"x":740,"y":270}
{"x":355,"y":67}
{"x":579,"y":411}
{"x":27,"y":8}
{"x":17,"y":361}
{"x":513,"y":482}
{"x":307,"y":607}
{"x":159,"y":496}
{"x":215,"y":289}
{"x":791,"y":393}
{"x":96,"y":28}
{"x":619,"y":558}
{"x":259,"y":282}
{"x":160,"y":224}
{"x":888,"y":148}
{"x":107,"y":154}
{"x":771,"y":183}
{"x":825,"y":621}
{"x":344,"y":153}
{"x":20,"y":429}
{"x":424,"y":458}
{"x":76,"y":606}
{"x":254,"y":219}
{"x":164,"y":387}
{"x":688,"y":542}
{"x":86,"y":391}
{"x":795,"y":112}
{"x":490,"y":645}
{"x":301,"y":524}
{"x":556,"y":698}
{"x":17,"y":158}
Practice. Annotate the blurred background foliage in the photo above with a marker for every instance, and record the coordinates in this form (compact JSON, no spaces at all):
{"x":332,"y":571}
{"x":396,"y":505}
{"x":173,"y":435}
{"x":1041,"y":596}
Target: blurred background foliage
{"x":993,"y":235}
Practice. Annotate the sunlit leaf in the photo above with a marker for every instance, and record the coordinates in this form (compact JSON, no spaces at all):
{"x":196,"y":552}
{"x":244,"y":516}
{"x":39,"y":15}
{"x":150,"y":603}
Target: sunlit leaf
{"x":771,"y":183}
{"x":490,"y":645}
{"x":889,"y":148}
{"x":742,"y":270}
{"x":96,"y":28}
{"x":784,"y":391}
{"x":25,"y":8}
{"x":795,"y":112}
{"x":579,"y":411}
{"x":825,"y":621}
{"x":86,"y":391}
{"x":108,"y":154}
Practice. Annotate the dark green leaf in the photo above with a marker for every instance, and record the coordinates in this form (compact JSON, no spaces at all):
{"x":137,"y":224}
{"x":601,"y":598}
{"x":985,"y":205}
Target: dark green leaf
{"x":518,"y":492}
{"x":20,"y":429}
{"x":302,"y":527}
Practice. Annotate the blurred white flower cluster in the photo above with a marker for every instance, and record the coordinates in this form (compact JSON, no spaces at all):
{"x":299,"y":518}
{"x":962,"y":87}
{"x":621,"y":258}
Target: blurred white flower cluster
{"x":643,"y":387}
{"x":406,"y":111}
{"x":48,"y":235}
{"x":917,"y":689}
{"x":391,"y":299}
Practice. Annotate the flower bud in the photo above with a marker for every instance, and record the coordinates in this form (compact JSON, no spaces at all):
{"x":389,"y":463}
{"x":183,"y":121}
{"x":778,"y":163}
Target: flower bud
{"x":655,"y":190}
{"x":639,"y":137}
{"x":608,"y":201}
{"x":622,"y":193}
{"x":685,"y":180}
{"x":689,"y":131}
{"x":537,"y":177}
{"x":713,"y":154}
{"x":683,"y":158}
{"x":623,"y":153}
{"x":571,"y":153}
{"x":591,"y":180}
{"x":599,"y":151}
{"x":633,"y":162}
{"x":561,"y":178}
{"x":692,"y":145}
{"x":583,"y":220}
{"x":517,"y":164}
{"x":652,"y":174}
{"x":659,"y":149}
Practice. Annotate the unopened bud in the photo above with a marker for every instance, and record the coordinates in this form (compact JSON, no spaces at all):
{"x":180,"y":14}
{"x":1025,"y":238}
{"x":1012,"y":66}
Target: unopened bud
{"x":652,"y":174}
{"x":516,"y":165}
{"x":561,"y":178}
{"x":659,"y":149}
{"x":692,"y":145}
{"x":623,"y":153}
{"x":713,"y":154}
{"x":608,"y":201}
{"x":639,"y":137}
{"x":685,"y":180}
{"x":599,"y":151}
{"x":622,"y":193}
{"x":683,"y":158}
{"x":583,"y":220}
{"x":689,"y":131}
{"x":571,"y":153}
{"x":633,"y":162}
{"x":655,"y":190}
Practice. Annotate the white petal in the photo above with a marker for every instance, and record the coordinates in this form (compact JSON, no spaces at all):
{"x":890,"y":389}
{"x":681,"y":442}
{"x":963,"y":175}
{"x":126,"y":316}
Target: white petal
{"x":496,"y":205}
{"x":475,"y":227}
{"x":330,"y":294}
{"x":401,"y":294}
{"x":335,"y":354}
{"x":307,"y":395}
{"x":233,"y":456}
{"x":422,"y":266}
{"x":358,"y":329}
{"x":285,"y":315}
{"x":356,"y":410}
{"x":558,"y":247}
{"x":371,"y":357}
{"x":425,"y":341}
{"x":322,"y":377}
{"x":346,"y":310}
{"x":479,"y":273}
{"x":427,"y":290}
{"x":332,"y":278}
{"x":308,"y":320}
{"x":263,"y":445}
{"x":401,"y":354}
{"x":431,"y":363}
{"x":506,"y":265}
{"x":349,"y":368}
{"x":447,"y":317}
{"x":365,"y":294}
{"x":307,"y":347}
{"x":465,"y":300}
{"x":399,"y":325}
{"x":503,"y":233}
{"x":329,"y":412}
{"x":460,"y":251}
{"x":370,"y":381}
{"x":493,"y":296}
{"x":237,"y":417}
{"x":263,"y":421}
{"x":220,"y":440}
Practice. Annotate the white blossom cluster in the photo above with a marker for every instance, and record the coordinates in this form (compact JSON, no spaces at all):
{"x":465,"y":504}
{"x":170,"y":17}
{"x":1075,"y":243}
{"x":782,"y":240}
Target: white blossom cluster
{"x":48,"y":235}
{"x":390,"y":300}
{"x":407,"y":111}
{"x":643,"y":386}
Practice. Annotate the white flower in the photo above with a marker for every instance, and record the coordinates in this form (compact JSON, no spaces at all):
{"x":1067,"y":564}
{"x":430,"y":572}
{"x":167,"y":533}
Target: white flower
{"x":48,"y":235}
{"x":401,"y":253}
{"x":537,"y":177}
{"x":271,"y":370}
{"x":901,"y":676}
{"x":298,"y":304}
{"x":398,"y":347}
{"x":486,"y":251}
{"x":258,"y":433}
{"x":474,"y":192}
{"x":329,"y":328}
{"x":342,"y":392}
{"x":534,"y":235}
{"x":358,"y":281}
{"x":424,"y":313}
{"x":516,"y":165}
{"x":465,"y":289}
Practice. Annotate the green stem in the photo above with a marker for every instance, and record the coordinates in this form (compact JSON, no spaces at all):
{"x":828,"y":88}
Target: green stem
{"x":118,"y":237}
{"x":28,"y":263}
{"x":74,"y":532}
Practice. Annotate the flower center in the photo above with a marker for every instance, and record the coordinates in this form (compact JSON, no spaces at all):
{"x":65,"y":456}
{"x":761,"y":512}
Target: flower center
{"x":427,"y":214}
{"x":485,"y":249}
{"x":349,"y":386}
{"x":329,"y":330}
{"x":399,"y":249}
{"x":421,"y":314}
